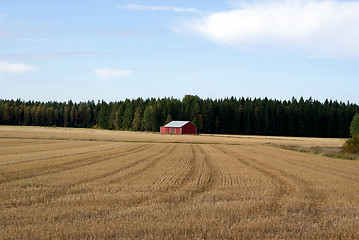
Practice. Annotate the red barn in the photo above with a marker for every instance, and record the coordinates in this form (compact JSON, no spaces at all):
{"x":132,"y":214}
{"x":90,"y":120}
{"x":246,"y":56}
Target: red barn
{"x":179,"y":127}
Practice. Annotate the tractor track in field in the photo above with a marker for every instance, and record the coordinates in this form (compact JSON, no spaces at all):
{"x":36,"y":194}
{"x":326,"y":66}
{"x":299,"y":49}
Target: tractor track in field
{"x":196,"y":182}
{"x":186,"y":188}
{"x":179,"y":165}
{"x":127,"y":177}
{"x":153,"y":159}
{"x":314,"y":166}
{"x":69,"y":189}
{"x":43,"y":148}
{"x":14,"y":143}
{"x":59,"y":156}
{"x":214,"y":173}
{"x":53,"y":169}
{"x":159,"y":195}
{"x":314,"y":197}
{"x":285,"y":188}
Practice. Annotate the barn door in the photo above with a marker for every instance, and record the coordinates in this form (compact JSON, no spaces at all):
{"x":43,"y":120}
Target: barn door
{"x":173,"y":130}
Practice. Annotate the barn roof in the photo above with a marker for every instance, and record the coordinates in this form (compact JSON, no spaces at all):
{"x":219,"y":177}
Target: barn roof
{"x":176,"y":124}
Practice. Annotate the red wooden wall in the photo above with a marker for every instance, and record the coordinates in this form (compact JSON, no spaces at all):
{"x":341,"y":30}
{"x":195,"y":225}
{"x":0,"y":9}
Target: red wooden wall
{"x":189,"y":128}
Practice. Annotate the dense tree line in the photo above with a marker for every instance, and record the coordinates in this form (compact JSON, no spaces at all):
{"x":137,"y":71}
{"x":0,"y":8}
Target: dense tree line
{"x":226,"y":116}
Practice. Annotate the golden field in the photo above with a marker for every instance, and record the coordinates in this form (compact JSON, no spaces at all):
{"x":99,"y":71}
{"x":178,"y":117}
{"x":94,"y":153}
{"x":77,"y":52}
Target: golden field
{"x":60,"y":183}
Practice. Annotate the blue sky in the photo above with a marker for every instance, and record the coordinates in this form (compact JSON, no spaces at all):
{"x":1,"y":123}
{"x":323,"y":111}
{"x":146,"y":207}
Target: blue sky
{"x":117,"y":49}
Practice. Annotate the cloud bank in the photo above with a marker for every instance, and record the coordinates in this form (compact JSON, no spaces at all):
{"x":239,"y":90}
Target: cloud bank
{"x":324,"y":28}
{"x":135,"y":7}
{"x":106,"y":73}
{"x":16,"y":68}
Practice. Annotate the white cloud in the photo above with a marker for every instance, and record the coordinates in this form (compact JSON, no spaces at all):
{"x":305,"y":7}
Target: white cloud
{"x":317,"y":27}
{"x":16,"y":68}
{"x":106,"y":73}
{"x":135,"y":7}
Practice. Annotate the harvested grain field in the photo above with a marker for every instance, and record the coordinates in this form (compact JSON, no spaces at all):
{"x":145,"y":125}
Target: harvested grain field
{"x":82,"y":183}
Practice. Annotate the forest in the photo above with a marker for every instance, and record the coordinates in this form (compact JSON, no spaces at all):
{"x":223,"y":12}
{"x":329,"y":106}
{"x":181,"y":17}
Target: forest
{"x":304,"y":118}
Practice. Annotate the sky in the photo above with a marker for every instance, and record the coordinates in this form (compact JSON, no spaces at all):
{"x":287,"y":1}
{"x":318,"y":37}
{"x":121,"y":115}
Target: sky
{"x":116,"y":49}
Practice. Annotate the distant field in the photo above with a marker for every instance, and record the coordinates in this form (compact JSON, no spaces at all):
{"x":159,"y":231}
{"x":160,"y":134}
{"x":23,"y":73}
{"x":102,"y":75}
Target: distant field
{"x":81,"y":183}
